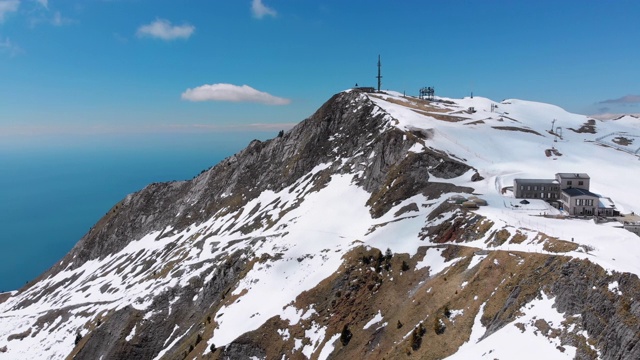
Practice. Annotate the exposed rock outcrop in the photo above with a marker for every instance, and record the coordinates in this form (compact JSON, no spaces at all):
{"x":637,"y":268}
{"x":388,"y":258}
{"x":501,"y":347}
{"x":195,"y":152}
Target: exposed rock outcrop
{"x":349,"y":126}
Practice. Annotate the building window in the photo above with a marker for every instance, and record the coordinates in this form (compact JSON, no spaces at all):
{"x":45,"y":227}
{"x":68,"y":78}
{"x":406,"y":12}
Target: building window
{"x":521,"y":187}
{"x":528,"y":187}
{"x":542,"y":188}
{"x":569,"y":182}
{"x":580,"y":182}
{"x":535,"y":187}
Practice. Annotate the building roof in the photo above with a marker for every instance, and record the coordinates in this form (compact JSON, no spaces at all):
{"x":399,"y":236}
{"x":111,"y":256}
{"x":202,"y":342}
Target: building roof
{"x":606,"y":202}
{"x":573,"y":175}
{"x":536,"y":181}
{"x":579,"y":192}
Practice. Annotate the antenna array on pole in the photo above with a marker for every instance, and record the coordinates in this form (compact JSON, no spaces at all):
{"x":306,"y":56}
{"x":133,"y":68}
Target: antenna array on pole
{"x":379,"y":76}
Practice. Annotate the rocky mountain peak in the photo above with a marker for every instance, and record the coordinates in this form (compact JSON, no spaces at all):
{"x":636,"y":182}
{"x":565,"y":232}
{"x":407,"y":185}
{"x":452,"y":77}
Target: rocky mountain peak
{"x":349,"y":133}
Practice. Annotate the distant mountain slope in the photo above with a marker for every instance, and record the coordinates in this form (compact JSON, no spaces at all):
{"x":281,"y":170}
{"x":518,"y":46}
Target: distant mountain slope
{"x":340,"y":239}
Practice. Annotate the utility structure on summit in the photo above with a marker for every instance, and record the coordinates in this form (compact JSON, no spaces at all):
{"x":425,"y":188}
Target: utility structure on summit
{"x":379,"y":76}
{"x":427,"y":93}
{"x":371,"y":89}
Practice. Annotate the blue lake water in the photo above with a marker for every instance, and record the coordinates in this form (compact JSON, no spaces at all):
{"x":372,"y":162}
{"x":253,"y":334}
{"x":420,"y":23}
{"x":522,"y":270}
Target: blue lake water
{"x":50,"y":196}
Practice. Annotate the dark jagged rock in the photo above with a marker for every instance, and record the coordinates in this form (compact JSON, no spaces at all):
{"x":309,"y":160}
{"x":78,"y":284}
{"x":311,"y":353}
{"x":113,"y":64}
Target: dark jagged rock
{"x":172,"y":308}
{"x":334,"y":131}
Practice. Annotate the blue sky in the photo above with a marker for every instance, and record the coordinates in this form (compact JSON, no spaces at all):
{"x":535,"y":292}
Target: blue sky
{"x":78,"y":68}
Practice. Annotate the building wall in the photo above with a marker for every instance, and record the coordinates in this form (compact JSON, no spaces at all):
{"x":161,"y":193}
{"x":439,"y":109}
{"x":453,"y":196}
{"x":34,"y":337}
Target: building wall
{"x":579,"y":205}
{"x":634,"y":228}
{"x":606,"y":211}
{"x":538,"y":190}
{"x":579,"y":182}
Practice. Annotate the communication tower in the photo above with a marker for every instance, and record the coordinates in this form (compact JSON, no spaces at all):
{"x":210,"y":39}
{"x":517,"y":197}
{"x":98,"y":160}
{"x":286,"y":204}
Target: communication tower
{"x":379,"y":74}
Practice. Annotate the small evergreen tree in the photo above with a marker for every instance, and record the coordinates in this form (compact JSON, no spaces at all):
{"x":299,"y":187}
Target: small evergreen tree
{"x":447,"y":312}
{"x":346,"y":335}
{"x":416,"y":336}
{"x":405,"y":266}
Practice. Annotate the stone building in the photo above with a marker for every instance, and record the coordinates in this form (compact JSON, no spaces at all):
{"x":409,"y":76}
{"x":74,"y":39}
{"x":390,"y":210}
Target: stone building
{"x":568,"y":191}
{"x":545,"y":189}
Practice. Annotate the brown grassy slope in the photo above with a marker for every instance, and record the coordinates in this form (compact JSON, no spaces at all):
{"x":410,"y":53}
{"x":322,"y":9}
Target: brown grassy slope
{"x":364,"y":285}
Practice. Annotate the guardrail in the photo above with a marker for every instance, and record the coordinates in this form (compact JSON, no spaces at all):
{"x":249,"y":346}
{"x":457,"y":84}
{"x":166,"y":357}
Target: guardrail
{"x":616,"y":146}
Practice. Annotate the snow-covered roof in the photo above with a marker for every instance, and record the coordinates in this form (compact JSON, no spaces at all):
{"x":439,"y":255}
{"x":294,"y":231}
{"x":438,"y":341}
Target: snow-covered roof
{"x":605,"y":202}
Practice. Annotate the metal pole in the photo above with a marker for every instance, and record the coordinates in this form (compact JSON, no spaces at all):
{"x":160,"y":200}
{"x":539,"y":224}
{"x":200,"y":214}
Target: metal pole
{"x":379,"y":76}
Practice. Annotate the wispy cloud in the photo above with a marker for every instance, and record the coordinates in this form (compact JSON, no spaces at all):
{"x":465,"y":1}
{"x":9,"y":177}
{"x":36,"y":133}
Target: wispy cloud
{"x":629,"y":99}
{"x":163,"y":29}
{"x":236,"y":127}
{"x":232,"y":93}
{"x":59,"y":20}
{"x":260,"y":10}
{"x":14,"y":132}
{"x":7,"y":47}
{"x":7,"y":6}
{"x":42,"y":14}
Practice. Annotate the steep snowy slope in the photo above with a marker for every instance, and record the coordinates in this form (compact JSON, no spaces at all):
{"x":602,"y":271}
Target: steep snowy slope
{"x":511,"y":142}
{"x":339,"y":240}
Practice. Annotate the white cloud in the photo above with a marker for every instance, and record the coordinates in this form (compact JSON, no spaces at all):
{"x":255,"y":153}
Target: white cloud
{"x":44,"y":3}
{"x":260,"y":10}
{"x":232,"y":93}
{"x":162,"y":29}
{"x":59,"y":20}
{"x":6,"y":46}
{"x":7,"y":6}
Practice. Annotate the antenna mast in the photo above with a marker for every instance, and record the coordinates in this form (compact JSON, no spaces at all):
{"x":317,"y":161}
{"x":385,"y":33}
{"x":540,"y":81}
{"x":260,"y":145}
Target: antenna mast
{"x":379,"y":76}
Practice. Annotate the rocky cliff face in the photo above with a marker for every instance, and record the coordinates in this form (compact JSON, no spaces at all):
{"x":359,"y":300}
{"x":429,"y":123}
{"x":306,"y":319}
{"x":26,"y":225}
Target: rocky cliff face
{"x":279,"y":252}
{"x":349,"y":126}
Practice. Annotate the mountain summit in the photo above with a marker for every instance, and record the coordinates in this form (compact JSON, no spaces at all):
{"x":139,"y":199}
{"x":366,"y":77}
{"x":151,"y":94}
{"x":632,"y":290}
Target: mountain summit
{"x":381,"y":227}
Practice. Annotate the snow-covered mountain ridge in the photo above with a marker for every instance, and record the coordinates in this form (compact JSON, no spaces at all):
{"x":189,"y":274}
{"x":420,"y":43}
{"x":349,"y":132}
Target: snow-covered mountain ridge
{"x":280,"y":250}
